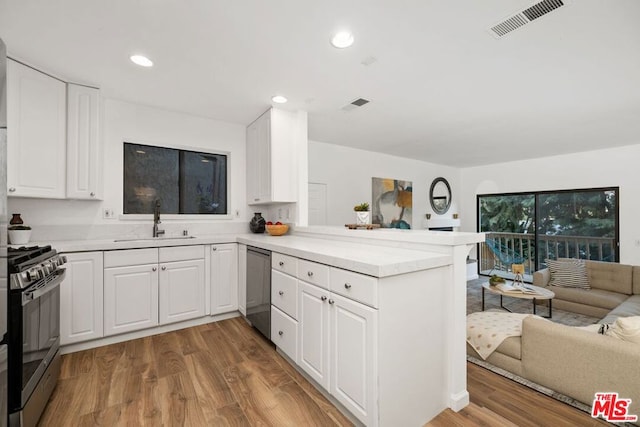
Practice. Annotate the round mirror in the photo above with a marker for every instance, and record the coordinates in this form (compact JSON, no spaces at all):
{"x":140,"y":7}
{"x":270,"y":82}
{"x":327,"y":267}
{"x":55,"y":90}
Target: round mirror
{"x":440,"y":195}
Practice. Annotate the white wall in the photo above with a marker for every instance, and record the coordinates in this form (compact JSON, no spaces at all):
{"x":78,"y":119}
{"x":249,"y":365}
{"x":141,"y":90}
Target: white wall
{"x":135,"y":123}
{"x":347,"y":172}
{"x":615,"y":167}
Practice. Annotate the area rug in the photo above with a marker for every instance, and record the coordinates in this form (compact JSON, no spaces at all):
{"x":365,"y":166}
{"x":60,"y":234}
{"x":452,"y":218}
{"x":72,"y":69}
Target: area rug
{"x":517,"y":305}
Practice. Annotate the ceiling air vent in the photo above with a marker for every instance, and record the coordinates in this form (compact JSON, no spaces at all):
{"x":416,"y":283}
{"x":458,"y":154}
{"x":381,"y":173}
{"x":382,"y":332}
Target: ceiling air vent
{"x":525,"y":16}
{"x":356,"y":103}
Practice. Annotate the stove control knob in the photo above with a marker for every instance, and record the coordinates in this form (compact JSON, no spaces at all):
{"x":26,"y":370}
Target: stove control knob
{"x":34,"y":274}
{"x":48,"y":268}
{"x":24,"y":276}
{"x":62,"y":260}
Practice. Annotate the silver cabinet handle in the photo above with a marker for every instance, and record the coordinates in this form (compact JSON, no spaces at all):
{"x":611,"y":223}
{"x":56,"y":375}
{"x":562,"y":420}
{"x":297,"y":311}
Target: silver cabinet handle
{"x":347,"y":286}
{"x":256,"y":200}
{"x":331,"y":302}
{"x":281,"y":293}
{"x":310,"y":273}
{"x":153,"y":269}
{"x":281,"y":263}
{"x":12,"y":190}
{"x":92,"y":194}
{"x":280,"y":333}
{"x":164,"y":268}
{"x":213,"y":248}
{"x":323,"y":298}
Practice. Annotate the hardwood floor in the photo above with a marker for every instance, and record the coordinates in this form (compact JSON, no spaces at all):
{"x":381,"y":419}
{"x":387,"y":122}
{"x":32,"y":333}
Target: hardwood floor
{"x":219,"y":374}
{"x":226,"y":374}
{"x":498,"y":401}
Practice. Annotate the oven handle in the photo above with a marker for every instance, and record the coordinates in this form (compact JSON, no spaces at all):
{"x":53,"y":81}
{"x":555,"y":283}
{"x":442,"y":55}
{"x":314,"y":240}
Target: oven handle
{"x":54,"y":283}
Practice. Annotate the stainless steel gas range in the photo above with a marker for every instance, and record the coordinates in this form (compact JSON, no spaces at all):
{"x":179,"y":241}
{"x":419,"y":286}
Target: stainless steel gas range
{"x":33,"y":331}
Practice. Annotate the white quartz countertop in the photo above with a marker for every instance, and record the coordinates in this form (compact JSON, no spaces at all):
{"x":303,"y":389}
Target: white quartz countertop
{"x":373,"y":260}
{"x":377,"y":261}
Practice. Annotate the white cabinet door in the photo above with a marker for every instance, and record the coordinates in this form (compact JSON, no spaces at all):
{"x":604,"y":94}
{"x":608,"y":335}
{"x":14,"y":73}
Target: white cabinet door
{"x":353,"y":345}
{"x":36,"y":126}
{"x":84,"y":149}
{"x":271,"y":157}
{"x":182,"y":290}
{"x":264,"y":158}
{"x":130,"y":298}
{"x":253,"y":192}
{"x":313,"y":332}
{"x":81,"y":303}
{"x":224,"y":278}
{"x":242,"y":279}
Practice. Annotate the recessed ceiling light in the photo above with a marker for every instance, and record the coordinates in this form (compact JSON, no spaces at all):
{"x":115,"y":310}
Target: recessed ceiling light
{"x":342,"y":39}
{"x":142,"y":61}
{"x":279,"y":99}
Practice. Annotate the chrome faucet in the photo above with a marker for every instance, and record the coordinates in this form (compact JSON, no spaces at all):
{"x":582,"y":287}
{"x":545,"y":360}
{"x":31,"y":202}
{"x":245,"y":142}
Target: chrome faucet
{"x":156,"y":219}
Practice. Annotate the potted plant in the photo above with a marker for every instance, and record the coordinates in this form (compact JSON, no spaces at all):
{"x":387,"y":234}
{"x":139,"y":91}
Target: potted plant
{"x":19,"y":234}
{"x":362,"y":214}
{"x":495,"y":279}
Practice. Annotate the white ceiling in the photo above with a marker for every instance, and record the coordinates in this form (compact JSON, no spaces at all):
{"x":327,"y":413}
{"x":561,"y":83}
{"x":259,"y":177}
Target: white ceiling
{"x":443,"y":89}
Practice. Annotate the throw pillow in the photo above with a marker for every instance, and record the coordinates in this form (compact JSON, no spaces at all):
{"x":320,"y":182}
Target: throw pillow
{"x":626,"y":329}
{"x":569,"y":273}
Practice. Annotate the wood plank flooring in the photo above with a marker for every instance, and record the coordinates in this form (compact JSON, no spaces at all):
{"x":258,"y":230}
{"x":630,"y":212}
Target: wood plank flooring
{"x":219,"y":374}
{"x":226,"y":374}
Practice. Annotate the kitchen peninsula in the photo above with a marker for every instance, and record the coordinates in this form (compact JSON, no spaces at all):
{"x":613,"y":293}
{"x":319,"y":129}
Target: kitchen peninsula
{"x":409,"y":288}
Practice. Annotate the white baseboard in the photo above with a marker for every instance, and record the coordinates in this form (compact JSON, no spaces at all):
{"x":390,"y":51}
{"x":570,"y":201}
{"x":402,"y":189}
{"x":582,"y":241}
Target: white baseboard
{"x":457,"y":401}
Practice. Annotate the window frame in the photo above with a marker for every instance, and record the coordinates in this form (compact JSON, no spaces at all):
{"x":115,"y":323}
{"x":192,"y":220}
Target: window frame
{"x":190,"y":217}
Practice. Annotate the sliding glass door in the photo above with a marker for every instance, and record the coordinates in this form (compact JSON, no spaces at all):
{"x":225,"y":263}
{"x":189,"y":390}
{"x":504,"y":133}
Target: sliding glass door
{"x":528,"y":228}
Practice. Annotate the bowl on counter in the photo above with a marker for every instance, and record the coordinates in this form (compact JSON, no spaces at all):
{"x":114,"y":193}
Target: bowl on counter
{"x":277,"y":230}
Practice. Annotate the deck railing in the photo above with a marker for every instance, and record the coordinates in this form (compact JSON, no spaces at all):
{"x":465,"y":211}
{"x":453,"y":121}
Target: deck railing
{"x":550,"y":247}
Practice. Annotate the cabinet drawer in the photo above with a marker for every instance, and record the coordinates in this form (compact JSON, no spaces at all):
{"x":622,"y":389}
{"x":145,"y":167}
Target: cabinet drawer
{"x":128,"y":257}
{"x":181,"y":253}
{"x":284,"y":293}
{"x":285,"y":263}
{"x":284,"y":333}
{"x":355,"y":286}
{"x":315,"y":273}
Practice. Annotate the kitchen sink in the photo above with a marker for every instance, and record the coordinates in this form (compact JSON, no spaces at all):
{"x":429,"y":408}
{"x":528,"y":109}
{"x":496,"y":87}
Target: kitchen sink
{"x":142,"y":239}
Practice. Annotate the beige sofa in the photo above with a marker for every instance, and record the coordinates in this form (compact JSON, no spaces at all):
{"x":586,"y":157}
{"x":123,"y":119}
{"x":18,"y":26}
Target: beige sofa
{"x":615,"y":291}
{"x":573,"y":361}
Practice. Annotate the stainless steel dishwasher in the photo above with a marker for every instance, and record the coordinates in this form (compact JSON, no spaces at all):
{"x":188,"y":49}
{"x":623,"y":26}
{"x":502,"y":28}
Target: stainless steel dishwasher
{"x":259,"y":289}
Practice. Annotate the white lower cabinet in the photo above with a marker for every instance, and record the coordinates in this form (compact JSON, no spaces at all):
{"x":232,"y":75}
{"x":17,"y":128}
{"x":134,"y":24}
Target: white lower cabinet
{"x":224,"y":278}
{"x":181,"y":290}
{"x":284,"y":333}
{"x":336,"y":347}
{"x":313,"y":335}
{"x":81,"y":298}
{"x":147,"y":287}
{"x":352,"y":354}
{"x":242,"y":279}
{"x":130,"y":298}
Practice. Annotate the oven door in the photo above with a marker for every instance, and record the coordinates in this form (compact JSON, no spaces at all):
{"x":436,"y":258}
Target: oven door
{"x":40,"y":329}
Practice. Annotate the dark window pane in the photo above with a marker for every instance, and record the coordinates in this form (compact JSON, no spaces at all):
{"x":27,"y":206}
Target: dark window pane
{"x":185,"y":182}
{"x":150,"y":173}
{"x":203,"y":183}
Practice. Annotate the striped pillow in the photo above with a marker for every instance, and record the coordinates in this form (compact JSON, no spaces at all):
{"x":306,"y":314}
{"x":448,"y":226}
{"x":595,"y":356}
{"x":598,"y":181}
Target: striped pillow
{"x":568,"y":273}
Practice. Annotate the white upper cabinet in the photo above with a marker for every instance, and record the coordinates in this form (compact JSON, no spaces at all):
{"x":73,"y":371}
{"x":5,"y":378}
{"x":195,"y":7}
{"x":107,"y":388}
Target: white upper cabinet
{"x":84,"y":150}
{"x":36,"y":127}
{"x":271,"y":155}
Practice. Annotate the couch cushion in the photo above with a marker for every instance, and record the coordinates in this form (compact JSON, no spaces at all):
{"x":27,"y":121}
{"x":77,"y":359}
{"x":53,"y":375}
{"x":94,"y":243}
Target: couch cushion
{"x":568,"y":272}
{"x":593,"y":297}
{"x":626,"y":329}
{"x":610,"y":276}
{"x":630,"y":307}
{"x":636,"y":280}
